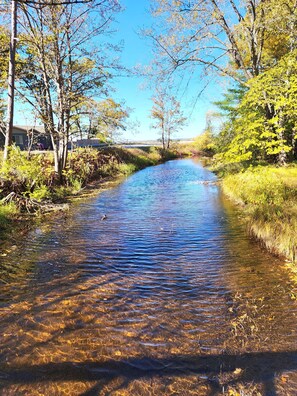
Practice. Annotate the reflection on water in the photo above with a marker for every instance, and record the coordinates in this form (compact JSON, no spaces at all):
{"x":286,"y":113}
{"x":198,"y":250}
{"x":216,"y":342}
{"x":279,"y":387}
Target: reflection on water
{"x":166,"y":296}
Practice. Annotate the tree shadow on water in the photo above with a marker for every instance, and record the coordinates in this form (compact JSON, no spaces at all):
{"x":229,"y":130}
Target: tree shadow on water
{"x":258,"y":368}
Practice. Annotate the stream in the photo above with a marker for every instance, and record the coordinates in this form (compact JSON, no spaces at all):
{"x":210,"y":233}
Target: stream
{"x":150,"y":288}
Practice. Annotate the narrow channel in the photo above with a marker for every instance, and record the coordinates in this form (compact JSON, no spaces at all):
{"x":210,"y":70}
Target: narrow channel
{"x":151,"y":288}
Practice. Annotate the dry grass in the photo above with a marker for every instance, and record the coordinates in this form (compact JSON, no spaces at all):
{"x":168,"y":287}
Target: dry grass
{"x":268,"y":196}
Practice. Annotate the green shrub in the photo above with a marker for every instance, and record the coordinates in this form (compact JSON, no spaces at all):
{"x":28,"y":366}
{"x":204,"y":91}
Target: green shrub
{"x":41,"y":193}
{"x":24,"y":175}
{"x":126,"y":169}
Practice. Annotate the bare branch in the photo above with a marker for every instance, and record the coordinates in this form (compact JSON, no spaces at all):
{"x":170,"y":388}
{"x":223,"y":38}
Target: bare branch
{"x":236,"y":10}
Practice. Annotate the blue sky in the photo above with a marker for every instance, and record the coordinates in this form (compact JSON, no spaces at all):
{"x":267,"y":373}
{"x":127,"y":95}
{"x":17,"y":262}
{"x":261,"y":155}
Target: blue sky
{"x":129,"y":89}
{"x":137,"y":51}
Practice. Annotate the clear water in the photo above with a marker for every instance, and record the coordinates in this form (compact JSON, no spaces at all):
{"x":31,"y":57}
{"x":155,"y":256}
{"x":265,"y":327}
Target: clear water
{"x":151,"y":288}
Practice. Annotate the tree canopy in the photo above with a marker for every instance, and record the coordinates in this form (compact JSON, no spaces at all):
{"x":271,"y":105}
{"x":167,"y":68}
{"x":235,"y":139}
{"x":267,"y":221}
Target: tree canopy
{"x":251,"y":42}
{"x":65,"y":60}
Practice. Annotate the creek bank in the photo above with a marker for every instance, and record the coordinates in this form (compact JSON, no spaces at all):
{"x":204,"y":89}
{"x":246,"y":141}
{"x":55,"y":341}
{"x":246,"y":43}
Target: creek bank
{"x":267,"y":195}
{"x":28,"y":191}
{"x":268,"y":199}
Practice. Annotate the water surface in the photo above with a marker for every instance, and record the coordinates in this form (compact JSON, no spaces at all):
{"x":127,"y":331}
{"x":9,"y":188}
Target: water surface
{"x":151,"y":288}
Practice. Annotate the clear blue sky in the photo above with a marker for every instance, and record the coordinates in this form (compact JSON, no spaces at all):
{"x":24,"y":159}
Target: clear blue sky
{"x":137,"y":51}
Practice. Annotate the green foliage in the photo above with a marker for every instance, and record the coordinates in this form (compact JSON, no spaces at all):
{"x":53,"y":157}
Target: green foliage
{"x":41,"y":193}
{"x":205,"y":142}
{"x":27,"y":176}
{"x":126,"y":169}
{"x":228,"y":106}
{"x":229,"y":111}
{"x":7,"y":212}
{"x":264,"y":126}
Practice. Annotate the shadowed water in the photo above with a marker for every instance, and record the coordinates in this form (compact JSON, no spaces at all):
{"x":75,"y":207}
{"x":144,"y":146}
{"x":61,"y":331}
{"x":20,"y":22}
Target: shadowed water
{"x":152,"y":288}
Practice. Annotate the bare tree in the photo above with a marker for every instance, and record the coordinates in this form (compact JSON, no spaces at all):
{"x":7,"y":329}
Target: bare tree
{"x":225,"y":36}
{"x":167,"y":115}
{"x":71,"y":28}
{"x":12,"y":61}
{"x":62,"y":66}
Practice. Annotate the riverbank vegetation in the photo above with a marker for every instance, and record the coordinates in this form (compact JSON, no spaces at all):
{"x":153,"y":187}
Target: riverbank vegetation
{"x":255,"y":153}
{"x":268,"y":196}
{"x":29,"y":185}
{"x":255,"y":176}
{"x":265,"y":191}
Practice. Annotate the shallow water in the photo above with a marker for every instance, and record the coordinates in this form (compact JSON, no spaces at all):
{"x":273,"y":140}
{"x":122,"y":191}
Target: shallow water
{"x":165,"y":296}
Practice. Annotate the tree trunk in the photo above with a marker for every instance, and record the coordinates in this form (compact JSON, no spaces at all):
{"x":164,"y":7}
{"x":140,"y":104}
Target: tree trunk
{"x":282,"y":156}
{"x":11,"y":80}
{"x":163,"y":135}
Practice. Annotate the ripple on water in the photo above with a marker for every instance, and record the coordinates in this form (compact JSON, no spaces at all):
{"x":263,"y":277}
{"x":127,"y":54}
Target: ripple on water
{"x":166,"y":296}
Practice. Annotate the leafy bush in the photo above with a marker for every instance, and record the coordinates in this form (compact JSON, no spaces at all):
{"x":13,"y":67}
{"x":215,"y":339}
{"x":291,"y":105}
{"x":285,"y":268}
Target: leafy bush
{"x":41,"y":193}
{"x":126,"y":169}
{"x":205,"y":142}
{"x":25,"y":175}
{"x":85,"y":164}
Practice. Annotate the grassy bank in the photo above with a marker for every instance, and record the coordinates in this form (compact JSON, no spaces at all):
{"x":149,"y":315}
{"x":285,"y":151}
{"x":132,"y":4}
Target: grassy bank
{"x":28,"y":184}
{"x":268,"y":196}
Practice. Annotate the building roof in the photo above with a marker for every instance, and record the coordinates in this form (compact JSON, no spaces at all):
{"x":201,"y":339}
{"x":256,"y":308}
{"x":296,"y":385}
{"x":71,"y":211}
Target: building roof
{"x":26,"y":128}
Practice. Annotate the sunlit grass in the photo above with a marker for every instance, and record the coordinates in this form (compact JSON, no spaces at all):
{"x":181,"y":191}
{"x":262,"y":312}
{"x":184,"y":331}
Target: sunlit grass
{"x":269,"y":198}
{"x":7,"y":212}
{"x":126,"y":169}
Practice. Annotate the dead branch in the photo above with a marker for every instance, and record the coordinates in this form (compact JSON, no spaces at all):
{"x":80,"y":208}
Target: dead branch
{"x":30,"y":205}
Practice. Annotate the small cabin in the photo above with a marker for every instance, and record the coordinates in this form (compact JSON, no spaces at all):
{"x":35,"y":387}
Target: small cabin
{"x":25,"y":136}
